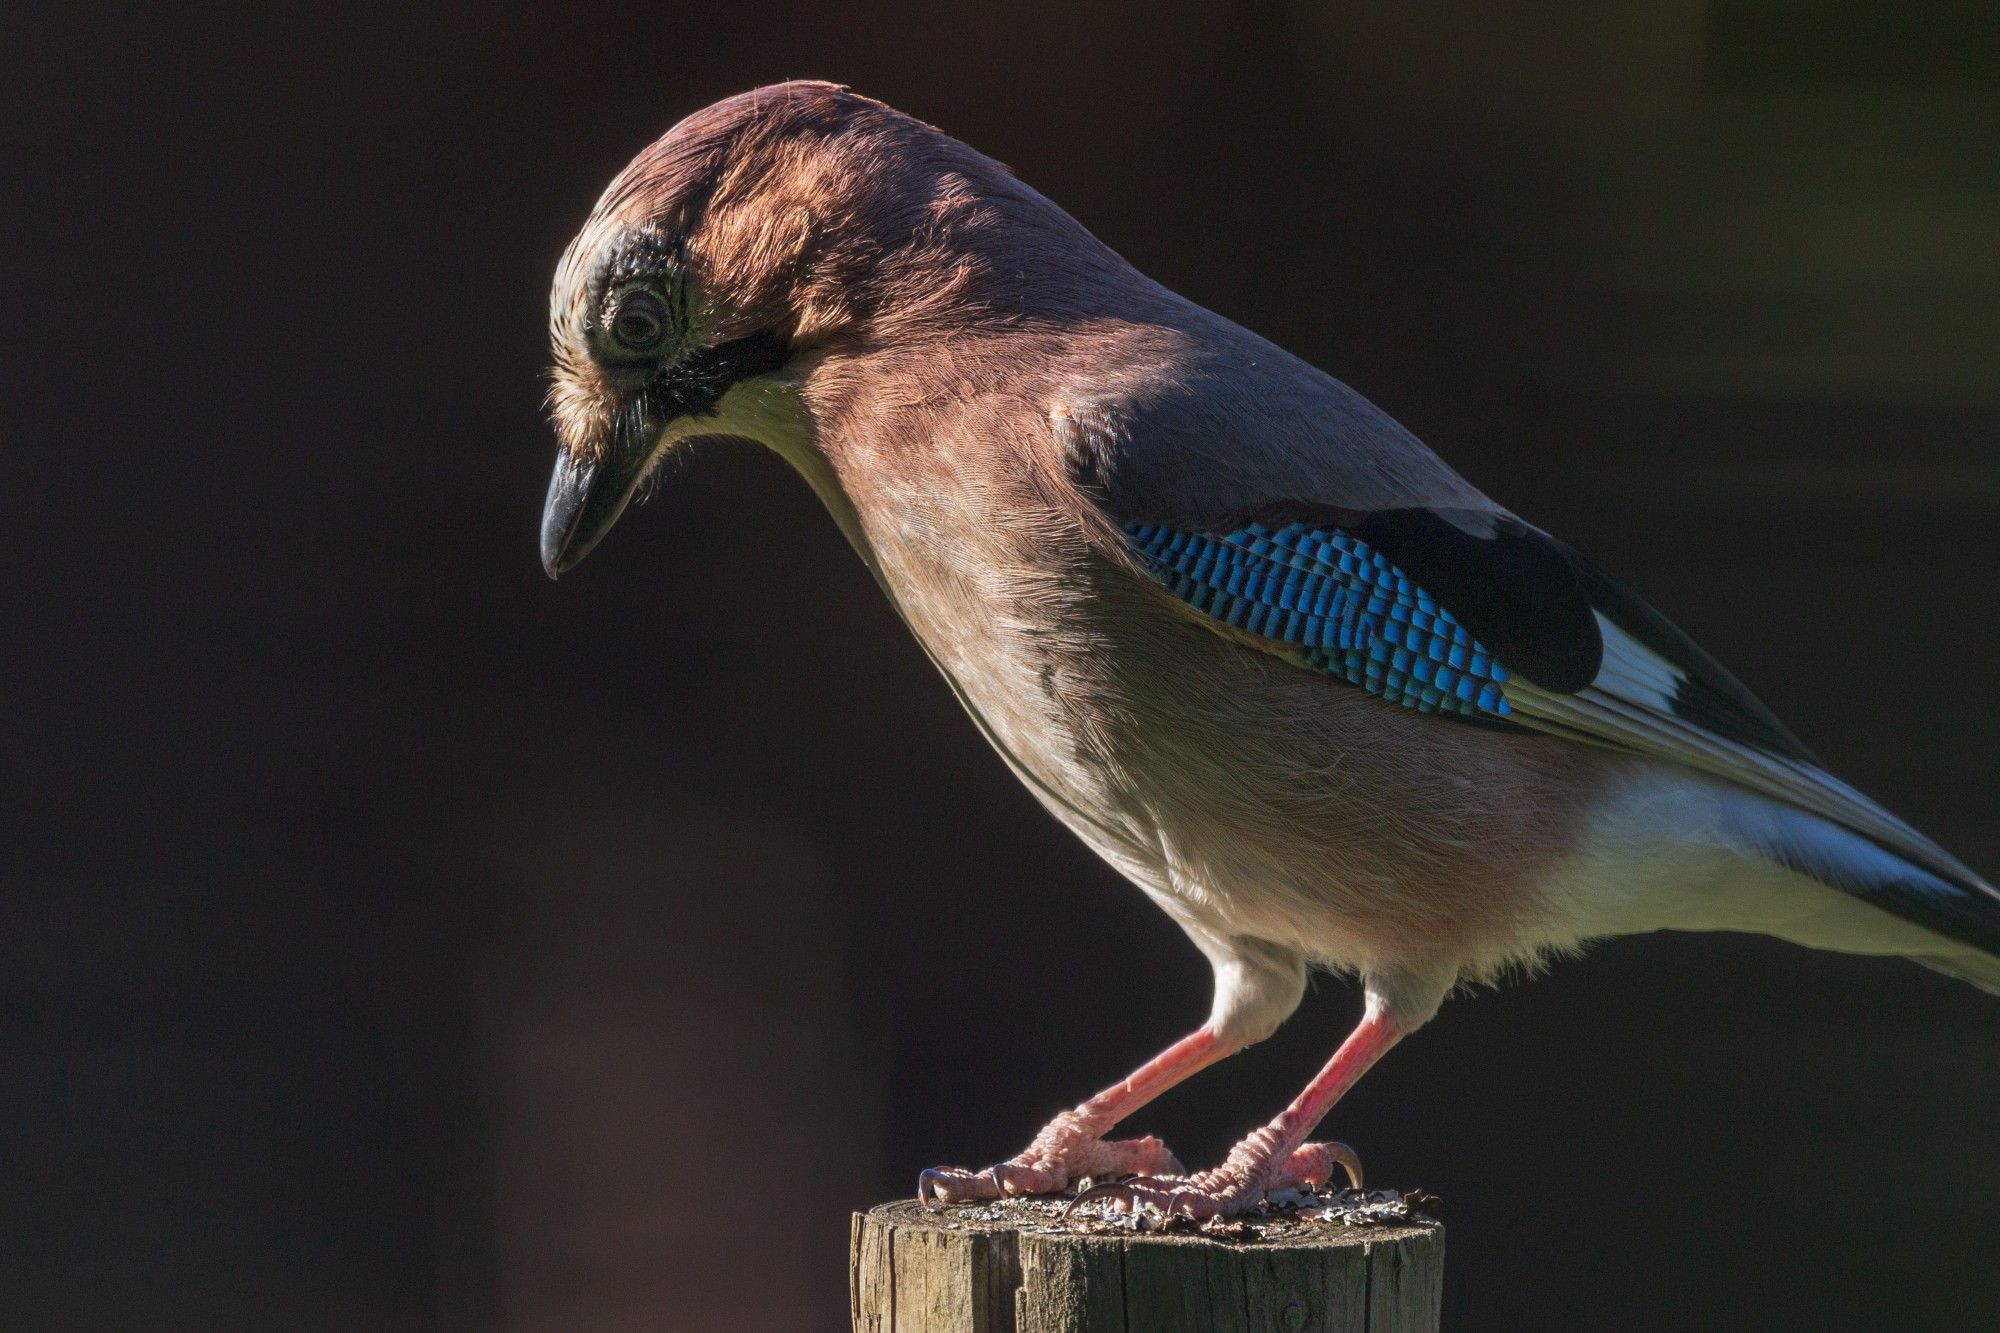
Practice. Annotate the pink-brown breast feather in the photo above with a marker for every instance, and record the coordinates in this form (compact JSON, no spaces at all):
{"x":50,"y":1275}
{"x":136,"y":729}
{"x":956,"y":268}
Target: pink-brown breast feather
{"x":1293,"y":807}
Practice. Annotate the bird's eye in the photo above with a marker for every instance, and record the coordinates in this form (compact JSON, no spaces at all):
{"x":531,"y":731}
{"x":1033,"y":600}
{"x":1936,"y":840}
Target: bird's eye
{"x":638,"y":322}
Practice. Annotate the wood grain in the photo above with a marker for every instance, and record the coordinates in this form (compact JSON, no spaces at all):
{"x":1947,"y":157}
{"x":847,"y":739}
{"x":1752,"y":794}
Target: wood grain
{"x":913,"y":1271}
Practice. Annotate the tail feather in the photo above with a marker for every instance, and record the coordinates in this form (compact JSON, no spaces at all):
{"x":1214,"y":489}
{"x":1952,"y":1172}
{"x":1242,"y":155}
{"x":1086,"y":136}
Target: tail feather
{"x":1977,"y":969}
{"x":1958,"y":918}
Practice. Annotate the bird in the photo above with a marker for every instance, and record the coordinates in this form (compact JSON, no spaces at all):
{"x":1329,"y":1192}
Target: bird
{"x":1317,"y":696}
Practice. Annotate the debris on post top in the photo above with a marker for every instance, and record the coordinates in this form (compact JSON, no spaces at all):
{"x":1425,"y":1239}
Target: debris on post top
{"x":1349,"y":1263}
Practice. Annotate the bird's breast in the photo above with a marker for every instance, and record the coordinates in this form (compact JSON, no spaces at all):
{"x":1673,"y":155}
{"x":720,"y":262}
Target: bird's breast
{"x":1245,"y":795}
{"x":999,"y":610}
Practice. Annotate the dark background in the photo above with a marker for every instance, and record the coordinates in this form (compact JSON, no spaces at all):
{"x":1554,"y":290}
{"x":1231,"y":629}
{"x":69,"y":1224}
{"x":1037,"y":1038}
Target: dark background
{"x":390,"y":938}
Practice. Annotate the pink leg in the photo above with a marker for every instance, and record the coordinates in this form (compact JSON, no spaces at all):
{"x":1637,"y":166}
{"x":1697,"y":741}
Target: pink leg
{"x":1073,"y":1146}
{"x":1277,"y":1155}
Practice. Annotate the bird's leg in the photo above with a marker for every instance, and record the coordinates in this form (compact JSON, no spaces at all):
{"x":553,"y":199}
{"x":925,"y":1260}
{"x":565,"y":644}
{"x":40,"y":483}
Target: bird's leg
{"x":1073,"y":1146}
{"x":1276,"y":1156}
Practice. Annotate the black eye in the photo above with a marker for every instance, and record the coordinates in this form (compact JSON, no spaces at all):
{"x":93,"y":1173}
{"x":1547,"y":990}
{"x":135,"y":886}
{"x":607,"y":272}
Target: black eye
{"x":638,"y":322}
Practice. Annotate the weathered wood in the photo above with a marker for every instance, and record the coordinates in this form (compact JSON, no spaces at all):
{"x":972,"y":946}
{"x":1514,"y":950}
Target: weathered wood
{"x":1017,"y":1269}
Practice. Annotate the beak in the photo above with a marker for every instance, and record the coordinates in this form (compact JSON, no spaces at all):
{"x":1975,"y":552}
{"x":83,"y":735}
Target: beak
{"x":591,"y":487}
{"x":586,"y":496}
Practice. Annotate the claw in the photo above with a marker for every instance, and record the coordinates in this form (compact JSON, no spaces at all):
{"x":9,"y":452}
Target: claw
{"x":1103,"y":1191}
{"x":1171,"y":1197}
{"x":1315,"y":1162}
{"x":1047,"y":1168}
{"x":1350,"y":1162}
{"x":1165,"y":1194}
{"x":1233,"y":1188}
{"x":941,"y":1185}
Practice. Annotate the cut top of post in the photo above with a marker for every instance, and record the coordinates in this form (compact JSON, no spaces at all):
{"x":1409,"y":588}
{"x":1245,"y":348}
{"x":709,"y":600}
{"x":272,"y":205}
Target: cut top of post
{"x":1020,"y":1267}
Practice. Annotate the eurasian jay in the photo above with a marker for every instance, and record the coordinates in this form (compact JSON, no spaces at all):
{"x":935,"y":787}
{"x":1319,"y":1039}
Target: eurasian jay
{"x":1324,"y":702}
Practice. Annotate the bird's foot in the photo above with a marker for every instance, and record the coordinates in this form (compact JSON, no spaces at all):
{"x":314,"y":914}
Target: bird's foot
{"x":1229,"y":1190}
{"x":1070,"y":1148}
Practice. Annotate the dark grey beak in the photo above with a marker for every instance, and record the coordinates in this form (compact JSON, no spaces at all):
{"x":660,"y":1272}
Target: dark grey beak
{"x":585,"y":499}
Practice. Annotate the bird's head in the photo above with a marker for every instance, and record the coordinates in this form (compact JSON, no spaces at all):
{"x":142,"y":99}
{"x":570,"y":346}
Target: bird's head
{"x":750,"y":243}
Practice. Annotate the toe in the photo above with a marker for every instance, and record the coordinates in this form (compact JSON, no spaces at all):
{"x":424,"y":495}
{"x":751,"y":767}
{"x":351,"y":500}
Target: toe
{"x":1315,"y":1163}
{"x":1128,"y":1157}
{"x":1123,"y":1196}
{"x":1048,"y":1166}
{"x":951,"y":1184}
{"x":1014,"y":1178}
{"x":1198,"y":1198}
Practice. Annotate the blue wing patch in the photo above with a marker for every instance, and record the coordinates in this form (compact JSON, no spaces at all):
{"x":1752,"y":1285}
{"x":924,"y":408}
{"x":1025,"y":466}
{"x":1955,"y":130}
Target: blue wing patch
{"x":1337,"y":604}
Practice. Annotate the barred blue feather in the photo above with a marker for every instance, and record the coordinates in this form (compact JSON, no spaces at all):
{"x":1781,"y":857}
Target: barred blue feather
{"x":1338,"y":604}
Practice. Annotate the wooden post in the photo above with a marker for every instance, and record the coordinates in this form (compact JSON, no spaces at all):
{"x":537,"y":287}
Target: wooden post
{"x":1022,"y":1267}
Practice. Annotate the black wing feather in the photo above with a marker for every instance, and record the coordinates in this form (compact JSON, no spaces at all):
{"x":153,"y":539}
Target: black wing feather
{"x":1534,"y":601}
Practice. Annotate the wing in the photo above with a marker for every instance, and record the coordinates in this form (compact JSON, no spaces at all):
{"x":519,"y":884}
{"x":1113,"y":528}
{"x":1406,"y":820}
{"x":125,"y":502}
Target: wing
{"x":1328,"y":600}
{"x":1458,"y":610}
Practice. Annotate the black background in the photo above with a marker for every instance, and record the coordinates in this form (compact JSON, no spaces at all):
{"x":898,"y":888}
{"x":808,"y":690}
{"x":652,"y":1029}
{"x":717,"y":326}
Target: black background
{"x":390,"y":938}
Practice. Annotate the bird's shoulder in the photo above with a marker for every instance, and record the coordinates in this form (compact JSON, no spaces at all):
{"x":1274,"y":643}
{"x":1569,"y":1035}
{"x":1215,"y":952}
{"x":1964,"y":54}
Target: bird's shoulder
{"x":1273,"y":497}
{"x":1206,"y":420}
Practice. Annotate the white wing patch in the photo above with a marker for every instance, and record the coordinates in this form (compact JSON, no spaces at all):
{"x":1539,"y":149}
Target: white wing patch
{"x":1630,"y":707}
{"x":1634,"y":672}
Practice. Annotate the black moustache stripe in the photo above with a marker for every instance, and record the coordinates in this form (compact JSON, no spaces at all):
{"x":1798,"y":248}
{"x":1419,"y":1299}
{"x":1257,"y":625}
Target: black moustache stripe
{"x":694,"y":386}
